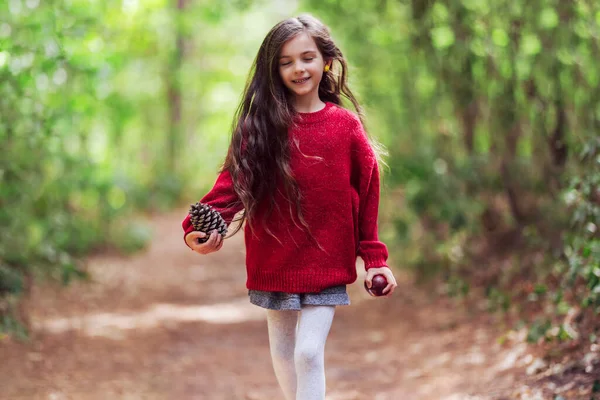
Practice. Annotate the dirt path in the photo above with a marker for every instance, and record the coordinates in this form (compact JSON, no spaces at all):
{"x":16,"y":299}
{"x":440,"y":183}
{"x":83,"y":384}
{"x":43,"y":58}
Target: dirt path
{"x":169,"y":324}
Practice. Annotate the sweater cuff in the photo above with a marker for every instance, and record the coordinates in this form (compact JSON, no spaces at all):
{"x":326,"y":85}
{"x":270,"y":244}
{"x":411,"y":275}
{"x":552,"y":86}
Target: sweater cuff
{"x":187,"y":228}
{"x":374,"y":261}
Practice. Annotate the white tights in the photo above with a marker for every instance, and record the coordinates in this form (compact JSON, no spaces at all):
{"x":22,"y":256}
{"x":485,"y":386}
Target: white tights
{"x":297,"y":342}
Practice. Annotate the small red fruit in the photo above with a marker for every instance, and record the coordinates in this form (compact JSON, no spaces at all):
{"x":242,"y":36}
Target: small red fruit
{"x":378,"y":283}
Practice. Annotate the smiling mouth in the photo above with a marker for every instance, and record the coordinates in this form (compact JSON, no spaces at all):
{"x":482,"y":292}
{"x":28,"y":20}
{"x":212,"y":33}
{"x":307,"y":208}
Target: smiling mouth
{"x":301,"y":80}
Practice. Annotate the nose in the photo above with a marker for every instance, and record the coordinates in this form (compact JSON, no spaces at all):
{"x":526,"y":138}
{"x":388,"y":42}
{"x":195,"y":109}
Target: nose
{"x":299,"y":67}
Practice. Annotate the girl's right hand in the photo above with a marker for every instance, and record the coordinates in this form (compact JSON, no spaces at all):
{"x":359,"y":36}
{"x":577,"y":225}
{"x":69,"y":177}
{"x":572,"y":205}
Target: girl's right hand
{"x":214,"y":242}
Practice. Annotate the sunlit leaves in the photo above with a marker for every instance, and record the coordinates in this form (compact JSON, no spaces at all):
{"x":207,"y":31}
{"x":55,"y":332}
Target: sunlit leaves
{"x":478,"y":47}
{"x":439,"y":14}
{"x":500,"y":37}
{"x":479,"y":6}
{"x":83,"y":101}
{"x":531,"y":45}
{"x":565,"y":56}
{"x":548,"y":18}
{"x":442,"y":37}
{"x":116,"y":198}
{"x":425,"y":83}
{"x":5,"y":30}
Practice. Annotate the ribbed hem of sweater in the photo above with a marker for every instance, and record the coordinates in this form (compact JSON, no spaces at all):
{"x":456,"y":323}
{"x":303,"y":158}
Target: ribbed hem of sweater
{"x":299,"y":281}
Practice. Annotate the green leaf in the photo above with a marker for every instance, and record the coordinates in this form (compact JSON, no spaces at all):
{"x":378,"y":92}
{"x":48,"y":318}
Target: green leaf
{"x":540,"y":288}
{"x":11,"y":280}
{"x":500,"y":37}
{"x":531,"y":45}
{"x":442,"y":37}
{"x":548,"y":18}
{"x":439,"y":13}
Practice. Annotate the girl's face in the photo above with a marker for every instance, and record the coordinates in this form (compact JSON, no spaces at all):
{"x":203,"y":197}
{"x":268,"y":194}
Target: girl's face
{"x":301,"y":66}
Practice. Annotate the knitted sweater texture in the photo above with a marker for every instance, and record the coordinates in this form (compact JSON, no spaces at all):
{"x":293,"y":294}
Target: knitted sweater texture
{"x":337,"y":173}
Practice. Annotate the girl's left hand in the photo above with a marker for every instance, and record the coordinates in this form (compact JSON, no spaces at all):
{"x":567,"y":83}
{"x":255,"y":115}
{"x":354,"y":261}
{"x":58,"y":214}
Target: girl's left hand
{"x":385,"y":271}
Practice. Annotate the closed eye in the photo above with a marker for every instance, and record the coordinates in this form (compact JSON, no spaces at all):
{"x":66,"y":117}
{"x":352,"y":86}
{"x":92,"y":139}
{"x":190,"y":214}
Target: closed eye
{"x":289,"y":62}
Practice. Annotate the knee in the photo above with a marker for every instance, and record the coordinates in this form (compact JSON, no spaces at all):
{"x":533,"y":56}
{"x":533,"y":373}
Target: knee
{"x":282,"y":354}
{"x":308,"y":356}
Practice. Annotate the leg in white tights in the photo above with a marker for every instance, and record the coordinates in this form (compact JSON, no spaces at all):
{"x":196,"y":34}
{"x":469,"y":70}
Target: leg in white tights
{"x":309,"y":355}
{"x":282,"y":339}
{"x":298,"y":350}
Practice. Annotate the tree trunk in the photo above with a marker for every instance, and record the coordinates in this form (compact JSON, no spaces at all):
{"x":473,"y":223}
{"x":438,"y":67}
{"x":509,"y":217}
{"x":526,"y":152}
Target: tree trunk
{"x":509,"y":120}
{"x":174,"y":95}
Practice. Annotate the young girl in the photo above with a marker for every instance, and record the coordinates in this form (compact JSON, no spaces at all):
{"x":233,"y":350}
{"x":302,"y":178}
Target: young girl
{"x":304,"y":172}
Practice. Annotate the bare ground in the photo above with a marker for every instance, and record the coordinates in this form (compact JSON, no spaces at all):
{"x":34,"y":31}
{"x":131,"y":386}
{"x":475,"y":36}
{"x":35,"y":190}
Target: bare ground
{"x":170,"y":324}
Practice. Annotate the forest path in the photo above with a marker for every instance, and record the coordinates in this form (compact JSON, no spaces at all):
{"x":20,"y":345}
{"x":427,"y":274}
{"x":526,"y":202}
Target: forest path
{"x":170,"y":324}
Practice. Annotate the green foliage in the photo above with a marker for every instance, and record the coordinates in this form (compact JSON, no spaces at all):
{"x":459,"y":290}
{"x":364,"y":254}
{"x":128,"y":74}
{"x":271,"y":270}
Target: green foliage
{"x":50,"y":192}
{"x":129,"y":237}
{"x":484,"y":107}
{"x":582,"y":253}
{"x":109,"y":109}
{"x":488,"y":109}
{"x":10,"y":325}
{"x":538,"y":330}
{"x":11,"y":281}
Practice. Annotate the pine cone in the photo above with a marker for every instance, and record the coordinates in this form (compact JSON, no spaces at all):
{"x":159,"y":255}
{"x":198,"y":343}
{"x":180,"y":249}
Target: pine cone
{"x":205,"y":219}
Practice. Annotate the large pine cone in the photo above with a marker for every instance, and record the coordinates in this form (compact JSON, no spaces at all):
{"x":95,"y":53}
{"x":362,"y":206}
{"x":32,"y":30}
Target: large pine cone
{"x":205,"y":219}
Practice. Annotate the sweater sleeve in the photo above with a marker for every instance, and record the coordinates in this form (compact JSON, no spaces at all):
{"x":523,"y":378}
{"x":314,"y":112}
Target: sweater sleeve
{"x":365,"y":178}
{"x":222,"y":198}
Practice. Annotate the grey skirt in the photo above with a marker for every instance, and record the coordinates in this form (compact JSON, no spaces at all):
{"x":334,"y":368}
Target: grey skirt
{"x":332,"y":296}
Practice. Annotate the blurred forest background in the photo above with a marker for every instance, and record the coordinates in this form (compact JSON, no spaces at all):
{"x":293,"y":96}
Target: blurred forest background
{"x":490,"y":111}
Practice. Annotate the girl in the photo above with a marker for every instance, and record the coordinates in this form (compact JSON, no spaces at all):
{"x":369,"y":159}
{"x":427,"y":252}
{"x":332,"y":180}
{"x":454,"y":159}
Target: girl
{"x":304,"y":172}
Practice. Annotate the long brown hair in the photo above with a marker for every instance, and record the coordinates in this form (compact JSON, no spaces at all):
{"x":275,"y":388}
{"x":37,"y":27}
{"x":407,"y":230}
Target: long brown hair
{"x":258,"y":157}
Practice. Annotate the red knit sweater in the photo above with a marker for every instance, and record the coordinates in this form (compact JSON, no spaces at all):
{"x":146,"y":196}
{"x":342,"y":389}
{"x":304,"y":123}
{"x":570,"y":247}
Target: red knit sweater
{"x":336,"y":171}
